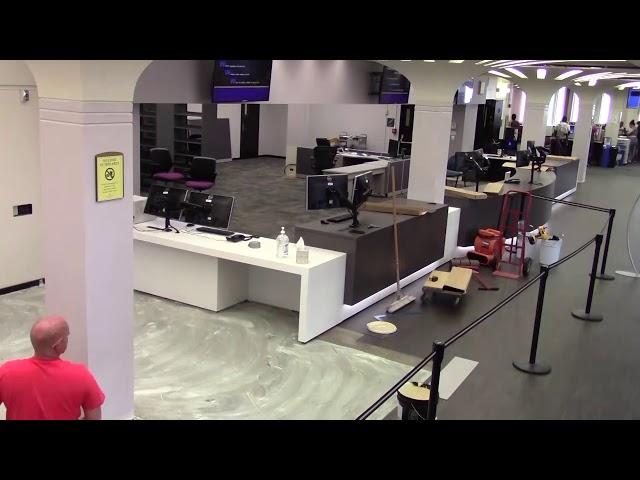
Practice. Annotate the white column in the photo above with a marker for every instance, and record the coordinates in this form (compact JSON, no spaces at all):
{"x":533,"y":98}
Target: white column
{"x":582,"y":133}
{"x":535,"y":125}
{"x":89,"y":245}
{"x":618,"y":103}
{"x":429,"y":151}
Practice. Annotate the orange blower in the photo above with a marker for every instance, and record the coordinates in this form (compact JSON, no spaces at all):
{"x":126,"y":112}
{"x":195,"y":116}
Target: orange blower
{"x":486,"y":247}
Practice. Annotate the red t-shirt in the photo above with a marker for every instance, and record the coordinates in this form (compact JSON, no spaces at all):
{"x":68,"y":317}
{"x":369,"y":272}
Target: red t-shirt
{"x":40,"y":389}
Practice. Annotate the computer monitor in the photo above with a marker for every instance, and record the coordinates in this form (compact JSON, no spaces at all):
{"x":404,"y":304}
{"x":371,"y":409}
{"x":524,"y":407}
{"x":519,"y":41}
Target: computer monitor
{"x":509,"y":145}
{"x":361,"y":189}
{"x":323,"y":142}
{"x":522,"y":158}
{"x":164,"y":200}
{"x":208,"y":210}
{"x":327,"y":191}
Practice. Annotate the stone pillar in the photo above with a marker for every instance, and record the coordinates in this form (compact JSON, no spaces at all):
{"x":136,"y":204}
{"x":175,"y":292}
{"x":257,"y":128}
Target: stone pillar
{"x":429,"y":151}
{"x":535,"y":126}
{"x":582,"y":132}
{"x":88,"y":246}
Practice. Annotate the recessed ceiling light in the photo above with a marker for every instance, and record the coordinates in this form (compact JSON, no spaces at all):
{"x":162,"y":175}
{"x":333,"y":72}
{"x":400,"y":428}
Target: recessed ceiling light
{"x":405,"y":60}
{"x":620,"y":88}
{"x":500,"y":74}
{"x":577,"y":84}
{"x":541,"y":73}
{"x":481,"y":62}
{"x":456,"y":61}
{"x":515,"y":71}
{"x":592,"y":82}
{"x":568,"y":74}
{"x":428,"y":60}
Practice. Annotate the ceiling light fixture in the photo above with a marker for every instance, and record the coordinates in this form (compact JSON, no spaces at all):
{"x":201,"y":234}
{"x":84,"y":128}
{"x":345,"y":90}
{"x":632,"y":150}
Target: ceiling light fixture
{"x":592,"y":82}
{"x":515,"y":71}
{"x":541,"y":73}
{"x":500,"y":74}
{"x":577,"y":84}
{"x":568,"y":74}
{"x":456,"y":61}
{"x":405,"y":60}
{"x":482,"y":62}
{"x":428,"y":60}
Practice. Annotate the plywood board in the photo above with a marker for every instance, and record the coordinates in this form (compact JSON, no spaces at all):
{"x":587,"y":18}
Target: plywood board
{"x":494,"y":187}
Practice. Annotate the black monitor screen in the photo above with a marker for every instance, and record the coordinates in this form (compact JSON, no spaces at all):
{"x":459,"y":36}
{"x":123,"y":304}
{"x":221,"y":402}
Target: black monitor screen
{"x":325,"y":191}
{"x":241,"y":81}
{"x":361,"y":189}
{"x":633,"y":99}
{"x":215,"y":210}
{"x":522,"y":158}
{"x":394,"y":87}
{"x":163,"y":198}
{"x":323,"y":142}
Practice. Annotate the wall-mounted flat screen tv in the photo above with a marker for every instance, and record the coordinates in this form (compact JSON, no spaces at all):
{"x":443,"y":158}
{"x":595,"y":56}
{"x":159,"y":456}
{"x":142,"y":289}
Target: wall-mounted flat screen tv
{"x":237,"y":81}
{"x":633,"y":100}
{"x":394,"y":87}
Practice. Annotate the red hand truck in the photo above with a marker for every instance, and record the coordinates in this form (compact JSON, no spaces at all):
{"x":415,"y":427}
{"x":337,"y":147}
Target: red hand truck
{"x":514,"y":219}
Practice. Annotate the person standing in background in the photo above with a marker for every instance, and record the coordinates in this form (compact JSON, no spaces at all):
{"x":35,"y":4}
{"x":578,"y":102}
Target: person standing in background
{"x":562,"y":135}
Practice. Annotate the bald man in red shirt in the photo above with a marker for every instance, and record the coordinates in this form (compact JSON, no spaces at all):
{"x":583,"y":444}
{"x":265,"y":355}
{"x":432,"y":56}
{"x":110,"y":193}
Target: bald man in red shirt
{"x":46,"y":387}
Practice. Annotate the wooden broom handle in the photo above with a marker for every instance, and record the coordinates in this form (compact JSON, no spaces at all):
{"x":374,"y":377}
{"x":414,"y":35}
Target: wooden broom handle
{"x":395,"y":226}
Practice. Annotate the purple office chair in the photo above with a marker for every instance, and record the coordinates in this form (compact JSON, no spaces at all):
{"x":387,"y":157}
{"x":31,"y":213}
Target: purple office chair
{"x":163,"y":166}
{"x":203,"y":173}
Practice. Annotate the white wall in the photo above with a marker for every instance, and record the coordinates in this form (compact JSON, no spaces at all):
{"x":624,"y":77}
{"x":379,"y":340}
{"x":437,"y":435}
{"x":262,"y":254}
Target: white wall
{"x":321,"y":81}
{"x":232,"y":112}
{"x":273,"y":130}
{"x":21,"y":238}
{"x":311,"y":121}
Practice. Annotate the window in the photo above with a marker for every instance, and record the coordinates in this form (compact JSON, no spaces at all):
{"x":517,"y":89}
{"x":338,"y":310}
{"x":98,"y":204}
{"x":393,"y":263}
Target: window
{"x":605,"y":107}
{"x":555,"y":112}
{"x":575,"y":108}
{"x":468,"y":92}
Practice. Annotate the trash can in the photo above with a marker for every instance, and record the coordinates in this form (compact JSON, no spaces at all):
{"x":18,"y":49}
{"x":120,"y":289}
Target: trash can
{"x":550,"y":251}
{"x":613,"y":156}
{"x":414,"y":401}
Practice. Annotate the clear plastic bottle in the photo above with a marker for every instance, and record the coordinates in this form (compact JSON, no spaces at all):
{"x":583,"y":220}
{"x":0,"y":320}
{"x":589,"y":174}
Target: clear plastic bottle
{"x":282,"y":242}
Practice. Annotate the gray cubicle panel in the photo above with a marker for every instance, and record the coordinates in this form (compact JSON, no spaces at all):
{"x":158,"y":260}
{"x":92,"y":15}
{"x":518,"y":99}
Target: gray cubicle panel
{"x":370,"y":255}
{"x":216,"y":138}
{"x":304,"y":161}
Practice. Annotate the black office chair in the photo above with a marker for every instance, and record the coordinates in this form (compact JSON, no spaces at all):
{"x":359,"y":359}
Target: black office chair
{"x":162,"y":165}
{"x":453,"y":168}
{"x":323,"y":157}
{"x":202,"y":175}
{"x":476,"y":167}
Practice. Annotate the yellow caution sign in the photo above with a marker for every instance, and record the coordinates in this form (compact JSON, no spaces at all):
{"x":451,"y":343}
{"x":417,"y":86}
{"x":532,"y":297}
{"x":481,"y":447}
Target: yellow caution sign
{"x":109,"y":176}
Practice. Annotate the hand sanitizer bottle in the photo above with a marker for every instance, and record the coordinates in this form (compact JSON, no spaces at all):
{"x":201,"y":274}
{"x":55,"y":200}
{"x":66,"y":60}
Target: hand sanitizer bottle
{"x":282,"y":243}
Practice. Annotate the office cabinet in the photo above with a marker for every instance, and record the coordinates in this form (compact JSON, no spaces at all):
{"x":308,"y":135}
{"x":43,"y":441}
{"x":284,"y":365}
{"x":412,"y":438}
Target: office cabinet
{"x":488,"y":122}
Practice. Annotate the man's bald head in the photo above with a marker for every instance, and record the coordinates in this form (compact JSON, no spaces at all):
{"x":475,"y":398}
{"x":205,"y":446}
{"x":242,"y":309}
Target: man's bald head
{"x":49,"y":336}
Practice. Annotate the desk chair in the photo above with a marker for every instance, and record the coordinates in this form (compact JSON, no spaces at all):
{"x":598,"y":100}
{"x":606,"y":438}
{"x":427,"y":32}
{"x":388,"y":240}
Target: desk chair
{"x":202,"y":175}
{"x":454,"y":169}
{"x":323,"y":158}
{"x":162,"y":166}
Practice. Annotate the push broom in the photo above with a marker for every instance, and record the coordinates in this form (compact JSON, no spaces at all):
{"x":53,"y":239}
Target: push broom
{"x":401,"y":300}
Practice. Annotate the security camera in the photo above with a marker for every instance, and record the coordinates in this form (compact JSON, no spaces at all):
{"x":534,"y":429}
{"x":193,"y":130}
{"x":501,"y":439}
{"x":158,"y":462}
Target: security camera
{"x":24,"y":95}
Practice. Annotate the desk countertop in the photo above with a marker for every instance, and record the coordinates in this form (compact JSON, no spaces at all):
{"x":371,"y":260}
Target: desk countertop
{"x":217,"y":246}
{"x":360,"y":168}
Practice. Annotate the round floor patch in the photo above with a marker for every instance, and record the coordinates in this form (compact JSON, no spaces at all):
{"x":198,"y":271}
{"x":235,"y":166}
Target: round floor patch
{"x":381,"y":327}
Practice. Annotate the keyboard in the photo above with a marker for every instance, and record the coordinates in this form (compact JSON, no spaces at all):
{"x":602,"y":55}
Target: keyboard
{"x":340,"y":218}
{"x":216,"y":231}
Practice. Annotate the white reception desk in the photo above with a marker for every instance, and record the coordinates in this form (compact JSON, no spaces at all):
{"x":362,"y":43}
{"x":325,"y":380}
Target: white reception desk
{"x":209,"y":272}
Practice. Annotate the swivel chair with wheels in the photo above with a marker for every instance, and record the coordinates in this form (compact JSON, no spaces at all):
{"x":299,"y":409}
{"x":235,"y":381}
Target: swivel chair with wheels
{"x":323,"y":157}
{"x":203,"y":173}
{"x":162,"y":166}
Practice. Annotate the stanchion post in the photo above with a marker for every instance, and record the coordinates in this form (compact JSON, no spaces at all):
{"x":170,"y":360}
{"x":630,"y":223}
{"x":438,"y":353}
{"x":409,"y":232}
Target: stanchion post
{"x":603,"y":275}
{"x":531,"y":366}
{"x":586,"y":313}
{"x":434,"y":394}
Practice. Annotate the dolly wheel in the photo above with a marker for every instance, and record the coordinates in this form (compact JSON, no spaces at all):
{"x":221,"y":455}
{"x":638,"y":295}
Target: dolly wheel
{"x":526,"y":268}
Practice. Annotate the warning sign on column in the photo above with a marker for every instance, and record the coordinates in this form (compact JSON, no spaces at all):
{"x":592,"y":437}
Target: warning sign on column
{"x":109,"y":176}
